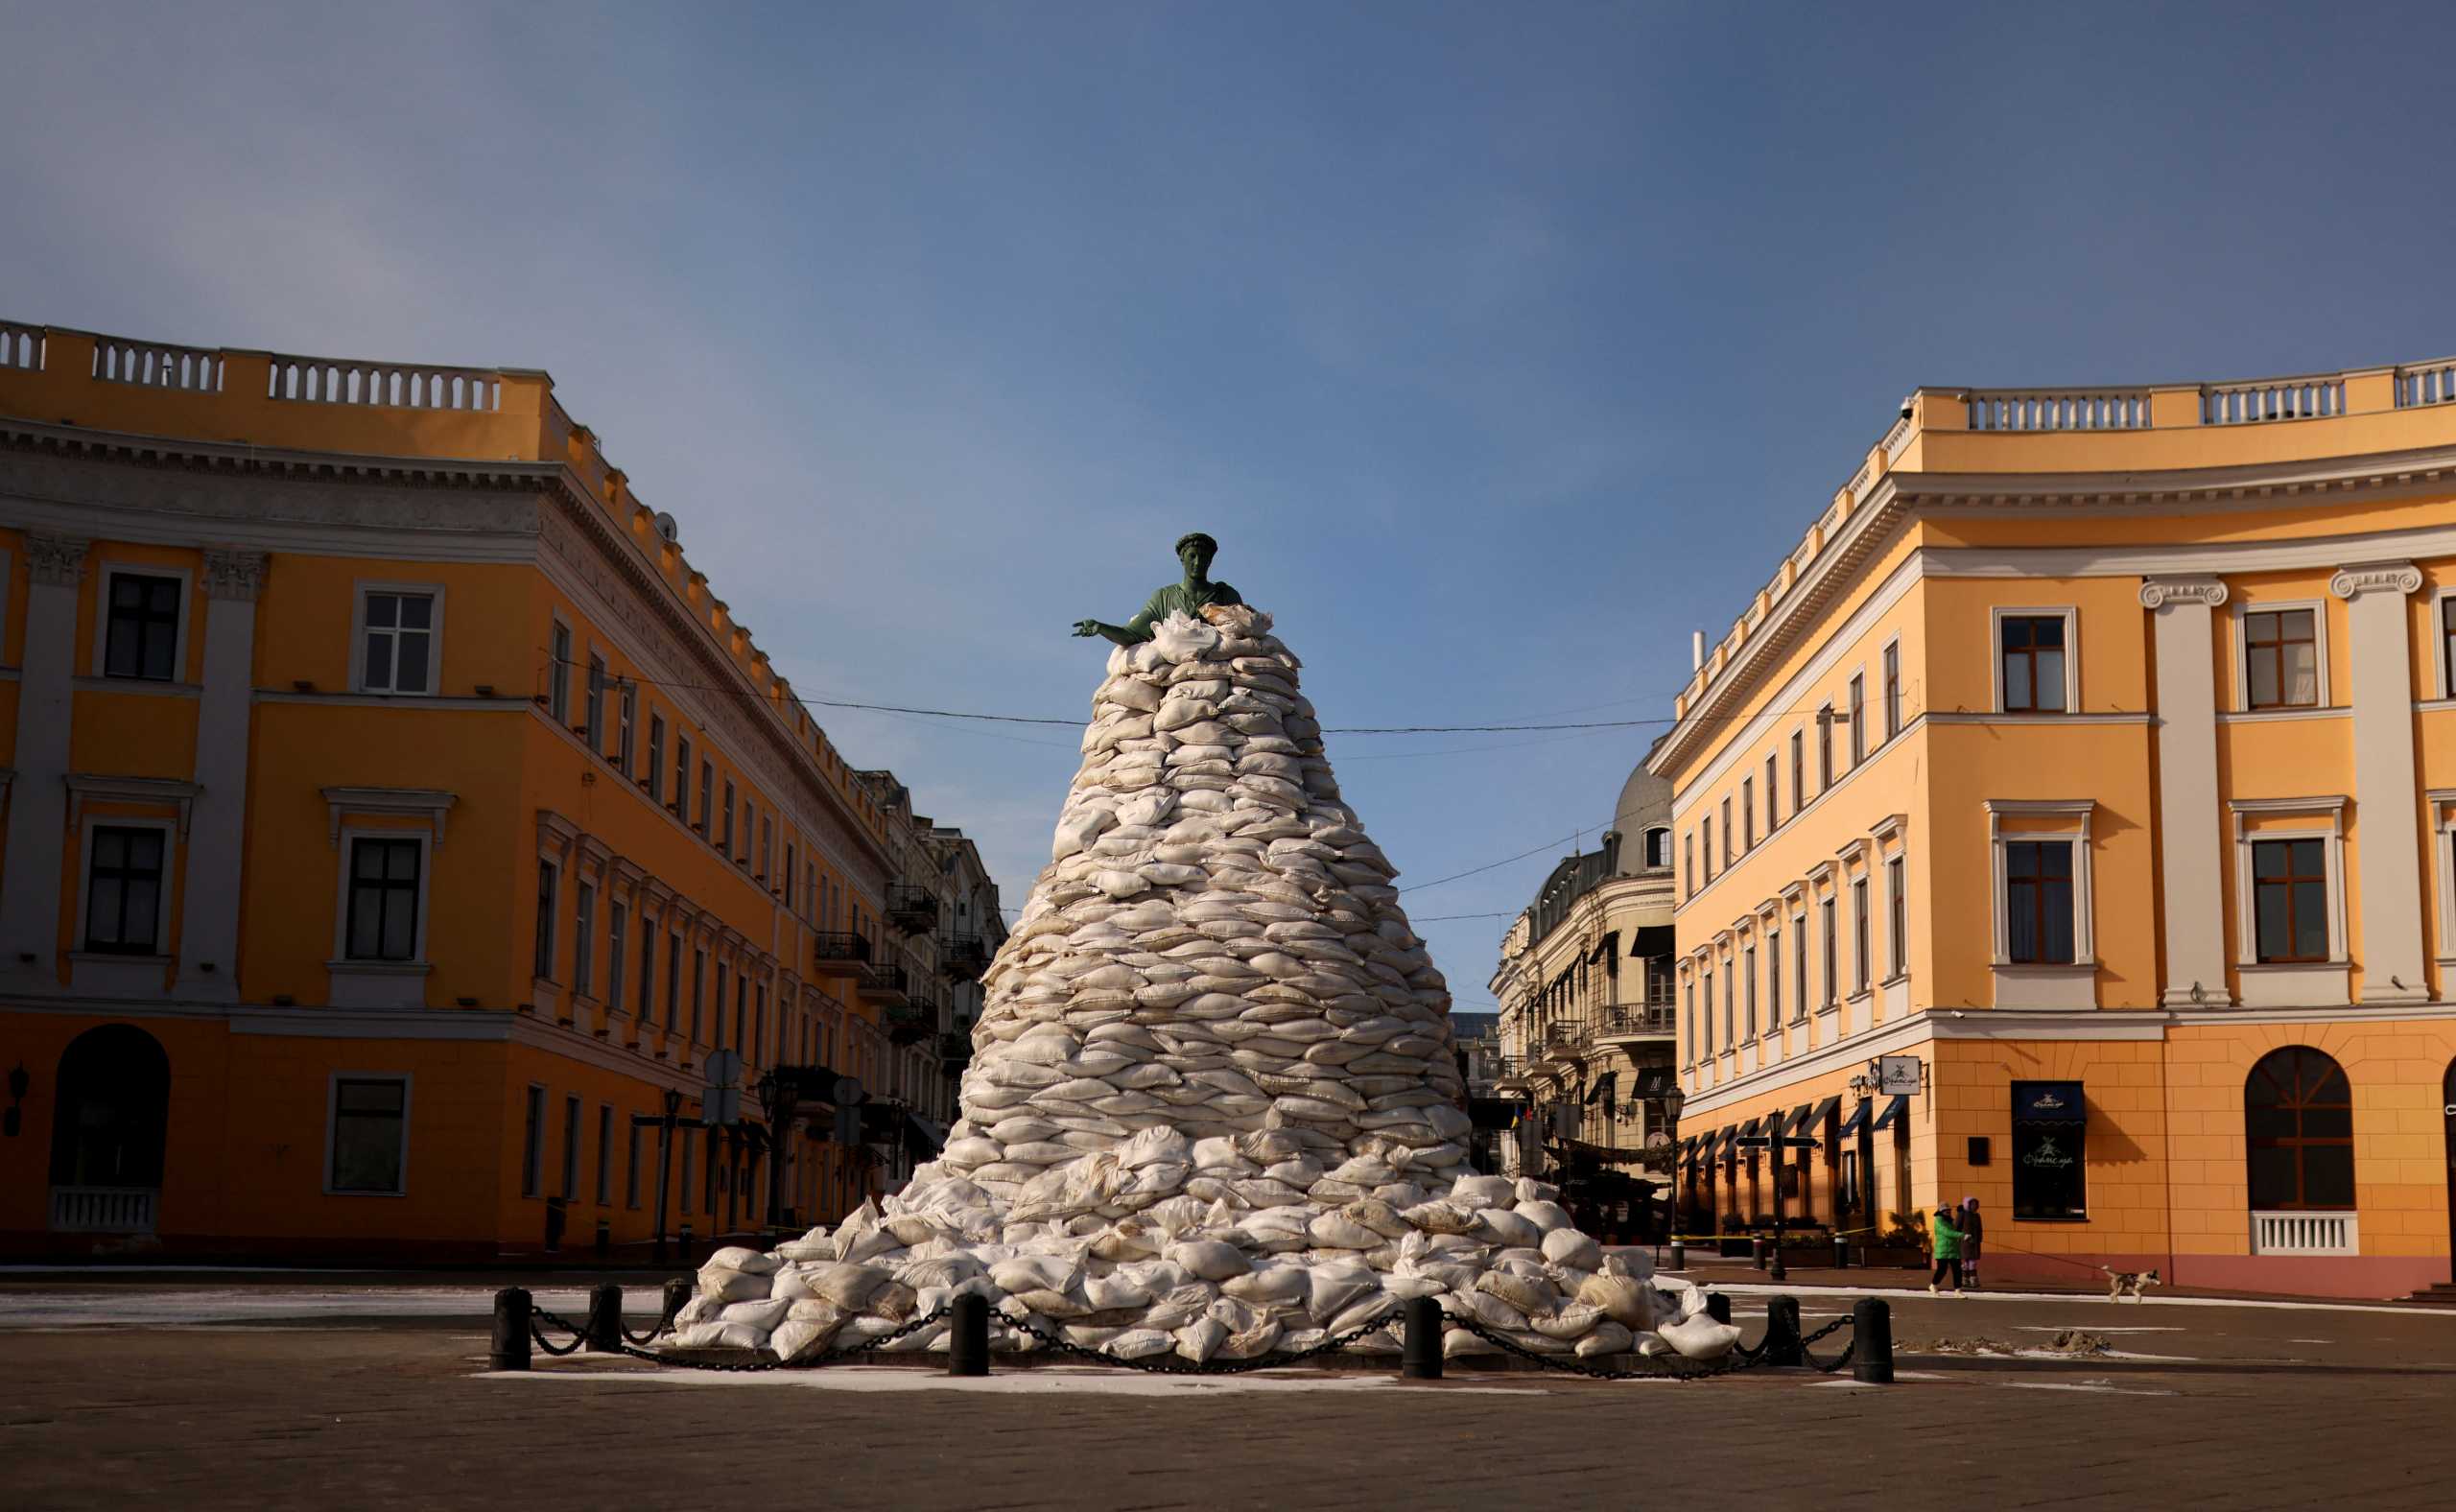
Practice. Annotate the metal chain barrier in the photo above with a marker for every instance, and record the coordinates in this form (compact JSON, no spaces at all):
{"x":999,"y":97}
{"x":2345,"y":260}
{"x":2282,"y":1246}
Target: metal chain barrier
{"x":538,"y":1315}
{"x":1839,"y":1361}
{"x":1740,"y":1357}
{"x":644,"y":1339}
{"x":808,"y":1361}
{"x":1274,"y":1360}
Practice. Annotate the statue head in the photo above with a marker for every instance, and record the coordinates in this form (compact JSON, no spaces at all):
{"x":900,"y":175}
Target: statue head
{"x":1195,"y":551}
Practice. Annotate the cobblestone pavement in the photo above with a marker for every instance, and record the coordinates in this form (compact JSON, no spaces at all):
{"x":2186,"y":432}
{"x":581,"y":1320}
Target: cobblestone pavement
{"x":2221,"y":1405}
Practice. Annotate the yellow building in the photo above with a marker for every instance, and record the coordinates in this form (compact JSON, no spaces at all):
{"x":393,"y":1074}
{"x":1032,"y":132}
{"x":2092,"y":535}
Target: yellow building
{"x":2096,"y":750}
{"x":393,"y":817}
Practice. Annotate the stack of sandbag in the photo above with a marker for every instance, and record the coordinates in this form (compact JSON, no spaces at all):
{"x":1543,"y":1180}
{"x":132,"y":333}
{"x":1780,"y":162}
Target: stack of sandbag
{"x":1212,"y":1107}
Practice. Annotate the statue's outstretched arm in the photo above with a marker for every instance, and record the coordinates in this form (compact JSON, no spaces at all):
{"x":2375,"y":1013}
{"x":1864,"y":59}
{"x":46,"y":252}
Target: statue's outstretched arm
{"x":1133,"y":632}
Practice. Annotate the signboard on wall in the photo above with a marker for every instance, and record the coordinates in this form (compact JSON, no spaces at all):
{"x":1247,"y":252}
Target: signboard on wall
{"x":1898,"y":1076}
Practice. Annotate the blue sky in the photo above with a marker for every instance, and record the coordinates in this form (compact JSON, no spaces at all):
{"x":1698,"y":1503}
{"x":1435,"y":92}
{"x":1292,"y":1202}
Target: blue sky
{"x":1501,"y":345}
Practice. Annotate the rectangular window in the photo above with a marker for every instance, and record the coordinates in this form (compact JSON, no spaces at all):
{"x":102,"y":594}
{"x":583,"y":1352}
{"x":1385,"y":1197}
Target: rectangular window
{"x":655,"y":773}
{"x":1824,"y":747}
{"x":2051,"y":1151}
{"x":1707,"y":825}
{"x":1747,"y":813}
{"x":1858,"y":719}
{"x":545,"y":952}
{"x":1799,"y":773}
{"x":369,"y":1134}
{"x":2032,"y":653}
{"x":383,"y":900}
{"x":2290,"y":898}
{"x":2282,"y":659}
{"x":698,"y":982}
{"x":647,"y":1009}
{"x":124,"y":890}
{"x":631,"y":1170}
{"x":618,"y":953}
{"x":1897,"y":905}
{"x":584,"y":940}
{"x":721,"y":1005}
{"x":626,"y":712}
{"x":1731,"y":1007}
{"x":2038,"y":902}
{"x":707,"y":787}
{"x":1726,"y":834}
{"x":1706,"y":973}
{"x":1688,"y":861}
{"x":683,"y":777}
{"x":1748,"y":959}
{"x":1772,"y":821}
{"x":725,"y":842}
{"x":1799,"y":966}
{"x":789,"y":875}
{"x":1833,"y":956}
{"x":398,"y":651}
{"x":1772,"y":977}
{"x":604,"y":1155}
{"x":740,"y":1011}
{"x":759,"y":1024}
{"x":559,"y":675}
{"x":142,"y":639}
{"x":1892,"y":690}
{"x":1688,"y":1014}
{"x":571,"y":1148}
{"x":766,"y":849}
{"x":532,"y":1142}
{"x":2448,"y":644}
{"x":595,"y":713}
{"x":1860,"y":928}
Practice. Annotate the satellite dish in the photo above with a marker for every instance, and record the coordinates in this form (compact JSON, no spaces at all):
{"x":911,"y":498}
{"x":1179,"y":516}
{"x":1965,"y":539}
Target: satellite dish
{"x":666,"y":528}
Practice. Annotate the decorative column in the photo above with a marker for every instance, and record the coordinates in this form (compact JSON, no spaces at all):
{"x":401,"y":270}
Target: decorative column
{"x":217,"y":836}
{"x":39,"y":795}
{"x":2387,"y":803}
{"x":2191,"y":853}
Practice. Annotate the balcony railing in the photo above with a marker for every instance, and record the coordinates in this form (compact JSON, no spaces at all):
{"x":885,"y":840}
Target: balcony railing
{"x":883,"y":983}
{"x":407,"y":386}
{"x":152,"y":364}
{"x":2061,"y":410}
{"x":1630,"y":1020}
{"x":963,"y":957}
{"x":104,"y":1210}
{"x":912,"y":908}
{"x":838,"y":953}
{"x":21,"y":347}
{"x":955,"y":1048}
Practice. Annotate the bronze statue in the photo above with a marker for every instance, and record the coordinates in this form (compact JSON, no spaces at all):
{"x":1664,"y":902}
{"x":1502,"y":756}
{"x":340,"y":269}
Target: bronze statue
{"x":1194,"y":550}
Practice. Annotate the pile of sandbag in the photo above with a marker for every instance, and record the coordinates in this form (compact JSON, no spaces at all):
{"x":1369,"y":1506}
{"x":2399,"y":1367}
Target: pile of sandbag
{"x":1212,"y":1106}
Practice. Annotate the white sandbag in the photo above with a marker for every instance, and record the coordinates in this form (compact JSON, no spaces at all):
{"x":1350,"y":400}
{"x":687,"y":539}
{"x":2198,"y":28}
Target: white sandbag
{"x":760,"y":1315}
{"x":846,"y":1286}
{"x":1209,"y":1259}
{"x":1503,"y":1227}
{"x":1624,"y":1301}
{"x":718,"y":1283}
{"x":1271,"y":1285}
{"x":733,"y":1257}
{"x":1140,"y":1343}
{"x":1700,"y":1337}
{"x":1567,"y":1246}
{"x":794,"y":1338}
{"x":1485,"y":1191}
{"x":1531,"y":1297}
{"x":1457,"y":1341}
{"x":1181,"y":1304}
{"x":1198,"y":1340}
{"x":1545,"y":1216}
{"x":1441,"y":1217}
{"x":1606,"y":1338}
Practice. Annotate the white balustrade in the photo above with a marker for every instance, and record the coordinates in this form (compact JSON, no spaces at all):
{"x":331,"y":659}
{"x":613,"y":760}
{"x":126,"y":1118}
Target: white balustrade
{"x":401,"y":386}
{"x":2272,"y":399}
{"x":20,"y":346}
{"x":103,"y":1210}
{"x":152,"y":364}
{"x":2061,"y":410}
{"x":2304,"y":1232}
{"x":2424,"y":382}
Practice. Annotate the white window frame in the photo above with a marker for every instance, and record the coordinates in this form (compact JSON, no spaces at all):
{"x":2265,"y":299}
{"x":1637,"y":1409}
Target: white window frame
{"x":332,"y":1128}
{"x":596,"y":680}
{"x":558,"y":687}
{"x":103,"y":575}
{"x":1646,"y":841}
{"x":90,"y":822}
{"x":350,"y":835}
{"x":2290,"y":983}
{"x":1854,"y":707}
{"x":2038,"y":985}
{"x":1891,"y":700}
{"x":358,"y":638}
{"x":2439,"y":604}
{"x":2239,"y":641}
{"x":2442,"y":825}
{"x":1996,"y":615}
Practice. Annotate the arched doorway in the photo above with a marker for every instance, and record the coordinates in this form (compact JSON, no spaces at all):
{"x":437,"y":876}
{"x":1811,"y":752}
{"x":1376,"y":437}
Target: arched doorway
{"x":2298,"y":1136}
{"x":107,"y":1131}
{"x":2447,"y":1111}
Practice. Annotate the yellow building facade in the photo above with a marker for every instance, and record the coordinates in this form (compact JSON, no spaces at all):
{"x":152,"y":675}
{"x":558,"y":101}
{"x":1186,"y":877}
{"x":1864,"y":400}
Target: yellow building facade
{"x":2096,"y":751}
{"x":395,"y":819}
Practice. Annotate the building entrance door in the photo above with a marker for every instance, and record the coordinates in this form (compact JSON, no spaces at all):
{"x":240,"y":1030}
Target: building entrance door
{"x":2447,"y":1112}
{"x":108,"y":1130}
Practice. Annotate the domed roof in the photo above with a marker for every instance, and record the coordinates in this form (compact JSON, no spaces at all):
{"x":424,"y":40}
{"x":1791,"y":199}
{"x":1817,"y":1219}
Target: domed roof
{"x":1646,"y":799}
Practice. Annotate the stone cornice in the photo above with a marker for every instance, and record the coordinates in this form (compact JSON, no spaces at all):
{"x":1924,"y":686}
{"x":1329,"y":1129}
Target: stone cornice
{"x":2155,"y":593}
{"x":2397,"y":577}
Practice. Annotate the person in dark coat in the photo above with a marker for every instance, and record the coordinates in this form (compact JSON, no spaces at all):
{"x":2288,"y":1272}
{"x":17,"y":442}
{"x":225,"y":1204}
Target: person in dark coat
{"x":1972,"y":1231}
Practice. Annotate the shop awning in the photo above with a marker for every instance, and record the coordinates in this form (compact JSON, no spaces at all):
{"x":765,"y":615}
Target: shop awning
{"x":1892,"y":1114}
{"x":1857,"y":1121}
{"x":2049,"y":1102}
{"x":920,"y":1138}
{"x":1811,"y":1118}
{"x":1602,"y":1087}
{"x":1722,"y":1142}
{"x":1608,"y":946}
{"x":1652,"y":940}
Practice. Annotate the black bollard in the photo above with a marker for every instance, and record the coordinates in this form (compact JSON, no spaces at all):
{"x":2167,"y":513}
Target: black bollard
{"x":1781,"y":1345}
{"x":968,"y":1343}
{"x":1420,"y":1353}
{"x":1872,"y":1342}
{"x":678,"y":1291}
{"x":1757,"y":1251}
{"x":1841,"y":1253}
{"x":604,"y":1330}
{"x":1775,"y":1269}
{"x":1717,"y":1306}
{"x":510,"y":1350}
{"x":1679,"y":1255}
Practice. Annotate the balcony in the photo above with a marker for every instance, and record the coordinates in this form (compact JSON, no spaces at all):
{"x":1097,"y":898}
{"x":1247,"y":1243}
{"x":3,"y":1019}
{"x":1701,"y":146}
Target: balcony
{"x":955,"y":1049}
{"x":912,"y":908}
{"x":838,"y":954}
{"x":963,"y":957}
{"x":1563,"y":1043}
{"x":883,"y":984}
{"x":2303,"y":1232}
{"x":911,"y":1020}
{"x":104,"y":1210}
{"x":1633,"y":1022}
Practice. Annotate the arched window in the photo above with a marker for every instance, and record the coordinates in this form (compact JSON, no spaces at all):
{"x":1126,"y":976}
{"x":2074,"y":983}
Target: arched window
{"x":2298,"y":1124}
{"x":1657,"y":848}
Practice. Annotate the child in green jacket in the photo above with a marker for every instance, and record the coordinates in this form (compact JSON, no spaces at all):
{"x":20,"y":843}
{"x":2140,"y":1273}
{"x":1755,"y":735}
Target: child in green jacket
{"x":1948,"y":1248}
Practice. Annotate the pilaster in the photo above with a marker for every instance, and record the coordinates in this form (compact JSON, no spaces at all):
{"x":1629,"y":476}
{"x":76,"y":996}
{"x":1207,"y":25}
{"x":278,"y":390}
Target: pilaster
{"x":209,"y":935}
{"x":39,"y":794}
{"x":2387,"y":806}
{"x":2191,"y":854}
